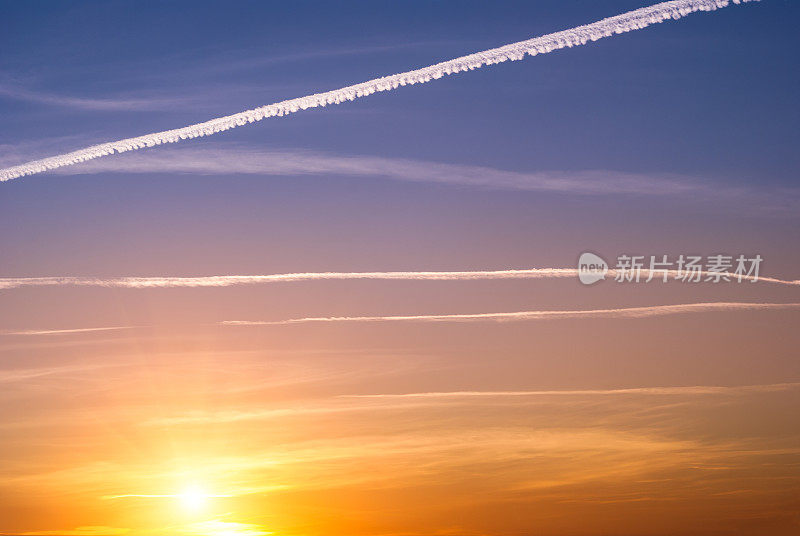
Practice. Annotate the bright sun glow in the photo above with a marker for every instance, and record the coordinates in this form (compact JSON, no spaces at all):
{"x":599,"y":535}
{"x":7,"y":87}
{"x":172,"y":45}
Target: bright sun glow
{"x":193,"y":498}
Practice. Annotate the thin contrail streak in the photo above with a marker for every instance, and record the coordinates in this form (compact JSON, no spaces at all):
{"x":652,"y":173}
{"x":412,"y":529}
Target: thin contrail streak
{"x":632,"y":20}
{"x":231,"y":280}
{"x":629,"y":312}
{"x":664,"y":391}
{"x":63,"y":331}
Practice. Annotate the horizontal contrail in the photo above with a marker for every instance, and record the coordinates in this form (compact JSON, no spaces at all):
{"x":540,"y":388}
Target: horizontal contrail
{"x":666,"y":391}
{"x":632,"y":20}
{"x":63,"y":331}
{"x":231,"y":280}
{"x":629,"y":312}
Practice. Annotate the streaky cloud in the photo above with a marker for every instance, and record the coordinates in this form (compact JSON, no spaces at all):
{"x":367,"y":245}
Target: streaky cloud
{"x":91,"y":530}
{"x":356,"y":403}
{"x":23,"y":375}
{"x":80,"y":103}
{"x":64,"y":331}
{"x":628,"y":312}
{"x":155,"y":496}
{"x":626,"y":22}
{"x":232,"y":280}
{"x":658,"y":391}
{"x":227,"y":159}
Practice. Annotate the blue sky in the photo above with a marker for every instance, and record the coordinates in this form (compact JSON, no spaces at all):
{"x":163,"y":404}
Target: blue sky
{"x":708,"y":99}
{"x":696,"y":88}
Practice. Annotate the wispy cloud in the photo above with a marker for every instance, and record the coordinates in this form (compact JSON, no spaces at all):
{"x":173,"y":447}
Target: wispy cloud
{"x":230,"y":159}
{"x":23,"y":375}
{"x":93,"y":530}
{"x":255,"y":58}
{"x":154,"y":496}
{"x":629,"y":312}
{"x":693,"y":390}
{"x":240,"y":415}
{"x":629,"y":21}
{"x":63,"y":331}
{"x":20,"y":93}
{"x":231,"y":280}
{"x":218,"y":528}
{"x":381,"y":402}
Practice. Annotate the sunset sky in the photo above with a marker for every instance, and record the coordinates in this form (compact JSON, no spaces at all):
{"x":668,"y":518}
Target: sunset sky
{"x":160,"y":407}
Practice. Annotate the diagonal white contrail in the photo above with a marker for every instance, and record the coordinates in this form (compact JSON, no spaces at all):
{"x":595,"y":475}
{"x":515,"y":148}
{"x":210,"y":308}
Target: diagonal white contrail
{"x":626,"y":22}
{"x":231,"y":280}
{"x":628,"y":312}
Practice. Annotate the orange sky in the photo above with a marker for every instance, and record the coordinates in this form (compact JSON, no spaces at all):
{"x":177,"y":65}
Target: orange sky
{"x":570,"y":426}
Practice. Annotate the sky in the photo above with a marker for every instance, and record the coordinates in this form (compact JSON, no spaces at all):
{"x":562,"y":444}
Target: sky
{"x":220,"y":408}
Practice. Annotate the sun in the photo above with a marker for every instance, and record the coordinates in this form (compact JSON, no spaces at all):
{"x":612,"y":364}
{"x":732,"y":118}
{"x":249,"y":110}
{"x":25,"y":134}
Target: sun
{"x":193,"y":498}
